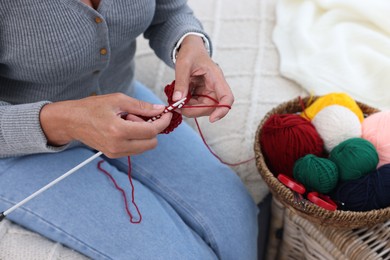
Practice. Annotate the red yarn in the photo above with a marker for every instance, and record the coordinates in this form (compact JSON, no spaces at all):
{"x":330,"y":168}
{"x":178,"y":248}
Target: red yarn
{"x":287,"y":137}
{"x":123,"y":192}
{"x":176,"y":117}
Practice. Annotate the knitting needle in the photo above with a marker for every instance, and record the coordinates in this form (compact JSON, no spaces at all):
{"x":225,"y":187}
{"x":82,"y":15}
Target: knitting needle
{"x":5,"y":213}
{"x":175,"y":105}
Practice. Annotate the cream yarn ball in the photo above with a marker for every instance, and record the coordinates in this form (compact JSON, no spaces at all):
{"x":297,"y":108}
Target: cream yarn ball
{"x":335,"y":124}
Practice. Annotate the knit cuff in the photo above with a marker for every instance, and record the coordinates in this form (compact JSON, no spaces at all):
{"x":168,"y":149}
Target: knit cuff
{"x":21,"y":132}
{"x":206,"y":42}
{"x":166,"y":39}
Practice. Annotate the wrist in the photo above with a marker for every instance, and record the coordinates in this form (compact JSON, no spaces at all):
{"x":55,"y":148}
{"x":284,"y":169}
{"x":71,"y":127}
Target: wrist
{"x":191,"y":36}
{"x":54,"y":121}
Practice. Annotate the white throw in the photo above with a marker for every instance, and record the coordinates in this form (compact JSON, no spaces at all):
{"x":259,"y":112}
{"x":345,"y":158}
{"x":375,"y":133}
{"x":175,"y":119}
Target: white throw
{"x":336,"y":46}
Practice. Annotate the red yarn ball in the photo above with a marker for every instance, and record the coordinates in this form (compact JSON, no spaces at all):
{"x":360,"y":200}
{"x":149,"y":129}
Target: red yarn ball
{"x":287,"y":137}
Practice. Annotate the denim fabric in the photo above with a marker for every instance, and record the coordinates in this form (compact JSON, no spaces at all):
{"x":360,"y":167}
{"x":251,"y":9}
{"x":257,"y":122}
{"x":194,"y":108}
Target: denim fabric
{"x":192,"y":206}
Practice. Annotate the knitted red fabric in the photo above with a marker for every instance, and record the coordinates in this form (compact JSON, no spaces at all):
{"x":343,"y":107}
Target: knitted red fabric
{"x":176,"y":117}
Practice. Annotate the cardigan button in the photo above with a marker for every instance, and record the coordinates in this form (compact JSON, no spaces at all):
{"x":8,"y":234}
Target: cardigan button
{"x":98,"y":20}
{"x":103,"y":51}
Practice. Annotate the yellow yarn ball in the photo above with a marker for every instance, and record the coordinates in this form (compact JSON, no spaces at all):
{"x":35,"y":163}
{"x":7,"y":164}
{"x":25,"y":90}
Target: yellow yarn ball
{"x":341,"y":99}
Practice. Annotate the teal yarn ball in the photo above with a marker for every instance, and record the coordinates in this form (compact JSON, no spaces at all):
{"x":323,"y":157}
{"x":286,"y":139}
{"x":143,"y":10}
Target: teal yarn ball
{"x":316,"y":173}
{"x":354,"y":157}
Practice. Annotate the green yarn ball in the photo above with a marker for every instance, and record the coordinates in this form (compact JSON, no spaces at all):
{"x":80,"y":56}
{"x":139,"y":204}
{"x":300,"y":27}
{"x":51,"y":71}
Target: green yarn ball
{"x":315,"y":173}
{"x":355,"y":158}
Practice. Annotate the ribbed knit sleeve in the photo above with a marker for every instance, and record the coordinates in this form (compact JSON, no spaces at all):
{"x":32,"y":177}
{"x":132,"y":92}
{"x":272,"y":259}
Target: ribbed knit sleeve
{"x":20,"y":130}
{"x":172,"y":19}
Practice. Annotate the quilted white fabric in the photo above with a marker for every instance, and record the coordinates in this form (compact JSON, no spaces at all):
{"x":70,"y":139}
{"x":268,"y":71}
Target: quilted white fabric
{"x":241,"y":33}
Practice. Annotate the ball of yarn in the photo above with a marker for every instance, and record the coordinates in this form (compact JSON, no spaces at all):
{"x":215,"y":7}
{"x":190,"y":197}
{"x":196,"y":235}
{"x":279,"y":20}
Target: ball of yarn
{"x":285,"y":138}
{"x":316,"y":174}
{"x":366,"y":193}
{"x":354,"y":158}
{"x":336,"y":124}
{"x":376,"y":129}
{"x":342,"y":99}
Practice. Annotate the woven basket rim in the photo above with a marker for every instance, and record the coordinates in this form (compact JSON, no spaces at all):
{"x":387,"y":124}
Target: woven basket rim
{"x":339,"y":218}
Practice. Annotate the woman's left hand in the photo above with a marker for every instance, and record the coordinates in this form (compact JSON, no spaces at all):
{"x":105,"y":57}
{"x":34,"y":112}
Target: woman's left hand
{"x":196,"y":72}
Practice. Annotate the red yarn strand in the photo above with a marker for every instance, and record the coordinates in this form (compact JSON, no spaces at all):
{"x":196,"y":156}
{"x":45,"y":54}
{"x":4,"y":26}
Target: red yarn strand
{"x":122,"y":191}
{"x":206,"y":96}
{"x":201,"y":106}
{"x":211,"y":98}
{"x":213,"y":153}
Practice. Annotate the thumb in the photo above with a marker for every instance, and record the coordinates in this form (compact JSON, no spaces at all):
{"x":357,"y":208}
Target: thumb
{"x":142,"y":108}
{"x":182,"y":78}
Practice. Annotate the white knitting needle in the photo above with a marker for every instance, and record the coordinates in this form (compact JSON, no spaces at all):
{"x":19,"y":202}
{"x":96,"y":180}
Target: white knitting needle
{"x":5,"y":213}
{"x":175,"y":105}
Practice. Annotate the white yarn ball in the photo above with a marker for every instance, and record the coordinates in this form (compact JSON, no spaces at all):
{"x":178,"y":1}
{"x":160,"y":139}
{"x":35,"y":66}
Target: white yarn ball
{"x":335,"y":124}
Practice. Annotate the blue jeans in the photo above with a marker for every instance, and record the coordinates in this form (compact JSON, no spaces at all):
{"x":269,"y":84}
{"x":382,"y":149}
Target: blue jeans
{"x":192,"y":206}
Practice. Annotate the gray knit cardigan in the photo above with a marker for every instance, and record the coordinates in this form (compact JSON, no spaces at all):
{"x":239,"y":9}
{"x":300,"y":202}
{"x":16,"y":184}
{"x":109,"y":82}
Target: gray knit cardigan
{"x":52,"y":50}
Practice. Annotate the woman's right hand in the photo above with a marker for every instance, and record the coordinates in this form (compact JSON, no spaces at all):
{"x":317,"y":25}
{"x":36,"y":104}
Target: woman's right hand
{"x":96,"y":121}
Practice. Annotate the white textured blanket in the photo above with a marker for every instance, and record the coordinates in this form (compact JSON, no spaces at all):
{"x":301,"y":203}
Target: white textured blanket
{"x":337,"y":45}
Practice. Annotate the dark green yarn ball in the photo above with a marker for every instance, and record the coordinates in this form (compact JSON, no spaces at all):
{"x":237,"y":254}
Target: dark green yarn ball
{"x":354,"y":158}
{"x":316,"y":173}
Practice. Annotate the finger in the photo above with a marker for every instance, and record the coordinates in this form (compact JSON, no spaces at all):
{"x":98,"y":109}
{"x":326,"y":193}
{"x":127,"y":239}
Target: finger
{"x":139,"y":107}
{"x":135,"y":137}
{"x":218,"y":113}
{"x":139,"y":130}
{"x":198,"y":107}
{"x":222,"y":111}
{"x":182,"y":80}
{"x":197,"y":111}
{"x":134,"y":118}
{"x":134,"y":130}
{"x":163,"y":122}
{"x":144,"y":130}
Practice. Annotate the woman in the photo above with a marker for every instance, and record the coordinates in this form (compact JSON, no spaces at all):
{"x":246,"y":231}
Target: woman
{"x":67,"y":90}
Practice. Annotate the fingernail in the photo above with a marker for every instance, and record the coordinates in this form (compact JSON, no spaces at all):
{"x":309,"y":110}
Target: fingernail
{"x":215,"y":119}
{"x":176,"y":95}
{"x":158,"y":106}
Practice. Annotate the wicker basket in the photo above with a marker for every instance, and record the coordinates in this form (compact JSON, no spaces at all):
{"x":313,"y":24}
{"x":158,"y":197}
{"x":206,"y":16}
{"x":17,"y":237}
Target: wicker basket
{"x":308,"y":210}
{"x":303,"y":239}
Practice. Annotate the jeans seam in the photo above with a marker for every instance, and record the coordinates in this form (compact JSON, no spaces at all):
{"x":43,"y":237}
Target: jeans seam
{"x":58,"y":229}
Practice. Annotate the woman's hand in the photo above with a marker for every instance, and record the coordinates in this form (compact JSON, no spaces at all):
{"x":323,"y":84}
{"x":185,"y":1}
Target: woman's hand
{"x":196,"y":72}
{"x":97,"y":122}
